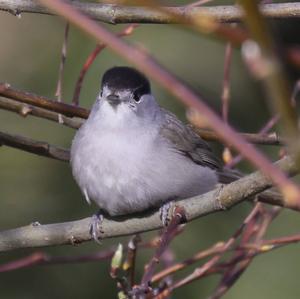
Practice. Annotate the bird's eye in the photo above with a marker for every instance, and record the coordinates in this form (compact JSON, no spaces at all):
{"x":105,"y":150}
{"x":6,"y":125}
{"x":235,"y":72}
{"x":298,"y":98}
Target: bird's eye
{"x":137,"y":97}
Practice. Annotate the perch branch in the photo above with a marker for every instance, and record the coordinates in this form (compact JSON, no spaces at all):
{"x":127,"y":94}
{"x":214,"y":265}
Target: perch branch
{"x":78,"y":231}
{"x":114,"y":14}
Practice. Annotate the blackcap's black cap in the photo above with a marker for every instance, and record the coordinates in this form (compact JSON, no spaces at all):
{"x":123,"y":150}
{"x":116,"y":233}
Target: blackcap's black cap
{"x":126,"y":78}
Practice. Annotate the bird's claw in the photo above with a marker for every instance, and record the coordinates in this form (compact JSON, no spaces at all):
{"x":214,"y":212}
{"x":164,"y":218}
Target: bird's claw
{"x":96,"y":227}
{"x":165,"y":213}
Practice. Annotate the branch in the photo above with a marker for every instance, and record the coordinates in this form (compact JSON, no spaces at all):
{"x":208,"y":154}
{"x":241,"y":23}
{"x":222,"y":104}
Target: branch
{"x":36,"y":147}
{"x":266,"y":139}
{"x":25,"y":109}
{"x":41,"y":258}
{"x":78,"y":231}
{"x":42,"y":102}
{"x":270,"y":71}
{"x":114,"y":14}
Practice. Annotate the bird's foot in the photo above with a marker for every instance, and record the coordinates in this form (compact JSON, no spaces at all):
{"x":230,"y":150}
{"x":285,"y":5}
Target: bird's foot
{"x":96,"y":229}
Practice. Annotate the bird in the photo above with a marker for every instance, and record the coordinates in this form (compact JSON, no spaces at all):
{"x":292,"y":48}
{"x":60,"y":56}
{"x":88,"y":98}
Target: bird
{"x":131,"y":154}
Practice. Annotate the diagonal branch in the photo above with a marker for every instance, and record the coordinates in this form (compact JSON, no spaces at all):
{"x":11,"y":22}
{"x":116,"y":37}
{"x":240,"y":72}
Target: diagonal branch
{"x":78,"y":231}
{"x":114,"y":14}
{"x":153,"y":69}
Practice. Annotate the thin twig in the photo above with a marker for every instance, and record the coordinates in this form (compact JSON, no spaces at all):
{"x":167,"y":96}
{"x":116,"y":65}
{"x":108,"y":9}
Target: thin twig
{"x":262,"y":132}
{"x":201,"y":271}
{"x":168,"y":234}
{"x":263,"y":139}
{"x":41,"y":258}
{"x":129,"y":264}
{"x":242,"y":258}
{"x":58,"y":92}
{"x":225,"y":96}
{"x":215,"y":249}
{"x":125,"y":32}
{"x":226,"y":82}
{"x":197,"y":3}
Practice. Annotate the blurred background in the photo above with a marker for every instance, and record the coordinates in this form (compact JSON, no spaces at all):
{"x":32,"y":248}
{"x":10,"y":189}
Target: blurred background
{"x":34,"y":188}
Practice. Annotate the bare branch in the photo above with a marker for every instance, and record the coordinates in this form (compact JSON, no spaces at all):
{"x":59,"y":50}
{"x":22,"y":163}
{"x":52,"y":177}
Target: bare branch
{"x":36,"y":147}
{"x":25,"y":109}
{"x":167,"y":236}
{"x":40,"y":258}
{"x":265,"y":139}
{"x":42,"y":102}
{"x":78,"y":231}
{"x":114,"y":14}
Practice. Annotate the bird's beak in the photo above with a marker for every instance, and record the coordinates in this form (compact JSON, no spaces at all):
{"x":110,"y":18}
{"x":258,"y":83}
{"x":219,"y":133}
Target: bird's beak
{"x":113,"y":100}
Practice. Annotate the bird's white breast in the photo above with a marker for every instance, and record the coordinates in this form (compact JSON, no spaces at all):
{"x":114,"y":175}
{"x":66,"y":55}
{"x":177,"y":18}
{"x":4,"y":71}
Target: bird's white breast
{"x":128,"y":169}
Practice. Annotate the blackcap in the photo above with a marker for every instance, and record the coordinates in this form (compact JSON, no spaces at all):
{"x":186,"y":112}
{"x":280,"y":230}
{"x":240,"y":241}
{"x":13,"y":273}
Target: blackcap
{"x":131,"y":154}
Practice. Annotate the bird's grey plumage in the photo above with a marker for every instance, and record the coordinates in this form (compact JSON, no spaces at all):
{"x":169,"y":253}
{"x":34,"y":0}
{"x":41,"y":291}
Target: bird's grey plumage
{"x":131,"y":154}
{"x":186,"y":141}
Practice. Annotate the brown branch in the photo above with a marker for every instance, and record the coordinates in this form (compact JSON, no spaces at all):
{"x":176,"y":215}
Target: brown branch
{"x":114,"y":14}
{"x":24,"y":110}
{"x":264,"y":247}
{"x":129,"y":264}
{"x":40,"y":258}
{"x":241,"y":259}
{"x":215,"y":249}
{"x":201,"y":271}
{"x":42,"y":102}
{"x":168,"y":234}
{"x":78,"y":231}
{"x":36,"y":147}
{"x":265,"y":139}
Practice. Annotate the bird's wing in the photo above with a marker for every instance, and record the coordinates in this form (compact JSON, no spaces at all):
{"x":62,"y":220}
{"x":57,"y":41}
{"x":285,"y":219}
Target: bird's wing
{"x":185,"y":140}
